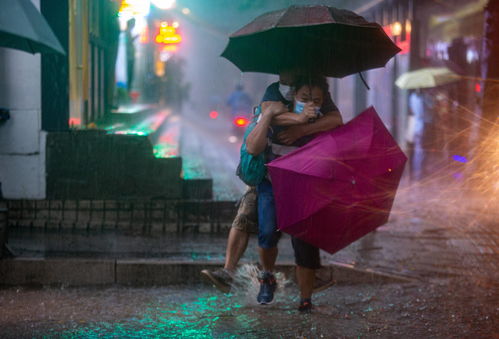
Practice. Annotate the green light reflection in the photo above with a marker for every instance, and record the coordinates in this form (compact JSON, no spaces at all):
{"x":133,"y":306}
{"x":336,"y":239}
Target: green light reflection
{"x":195,"y":319}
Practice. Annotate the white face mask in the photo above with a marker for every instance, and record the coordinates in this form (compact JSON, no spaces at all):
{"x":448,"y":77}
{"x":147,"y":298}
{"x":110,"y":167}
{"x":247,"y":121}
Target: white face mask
{"x":286,"y":91}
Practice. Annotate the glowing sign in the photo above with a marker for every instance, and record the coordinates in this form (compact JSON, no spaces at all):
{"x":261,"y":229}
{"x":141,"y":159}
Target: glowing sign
{"x":168,"y":34}
{"x":133,"y":8}
{"x":213,"y":114}
{"x":74,"y":122}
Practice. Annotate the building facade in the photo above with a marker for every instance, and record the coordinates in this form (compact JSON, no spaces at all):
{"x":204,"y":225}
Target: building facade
{"x":51,"y":93}
{"x":430,"y":33}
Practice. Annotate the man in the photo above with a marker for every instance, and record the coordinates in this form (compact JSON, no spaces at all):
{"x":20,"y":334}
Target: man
{"x":239,"y":102}
{"x":245,"y":222}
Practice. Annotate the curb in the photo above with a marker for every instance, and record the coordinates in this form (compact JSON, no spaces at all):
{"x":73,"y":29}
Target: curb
{"x":149,"y":272}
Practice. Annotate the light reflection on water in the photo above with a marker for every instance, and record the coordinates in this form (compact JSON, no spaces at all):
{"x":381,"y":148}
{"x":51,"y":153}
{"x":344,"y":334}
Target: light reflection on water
{"x":184,"y":314}
{"x":184,"y":311}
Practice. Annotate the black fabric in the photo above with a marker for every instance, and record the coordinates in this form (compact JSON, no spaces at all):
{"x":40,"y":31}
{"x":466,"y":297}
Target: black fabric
{"x":306,"y":255}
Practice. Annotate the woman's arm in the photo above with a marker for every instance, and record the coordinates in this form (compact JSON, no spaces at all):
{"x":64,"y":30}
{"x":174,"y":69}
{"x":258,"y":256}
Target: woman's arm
{"x":257,"y":139}
{"x":329,"y":121}
{"x":288,"y":118}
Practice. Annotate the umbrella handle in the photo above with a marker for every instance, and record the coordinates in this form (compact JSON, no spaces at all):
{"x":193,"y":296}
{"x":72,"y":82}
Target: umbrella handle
{"x":364,"y":81}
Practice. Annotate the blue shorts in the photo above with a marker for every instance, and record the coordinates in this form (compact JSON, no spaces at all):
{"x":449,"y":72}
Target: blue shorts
{"x":306,"y":255}
{"x":268,"y":235}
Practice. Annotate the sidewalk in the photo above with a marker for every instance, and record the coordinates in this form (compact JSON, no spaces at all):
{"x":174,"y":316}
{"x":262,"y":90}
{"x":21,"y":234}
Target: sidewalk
{"x":453,"y":293}
{"x":413,"y":247}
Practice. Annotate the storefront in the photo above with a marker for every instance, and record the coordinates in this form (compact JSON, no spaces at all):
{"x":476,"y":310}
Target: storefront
{"x":93,"y":41}
{"x":429,"y":33}
{"x":352,"y":96}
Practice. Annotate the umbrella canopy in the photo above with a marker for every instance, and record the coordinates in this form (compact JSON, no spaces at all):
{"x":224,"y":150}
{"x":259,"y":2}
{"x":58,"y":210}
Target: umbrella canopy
{"x":23,"y":27}
{"x":340,"y":186}
{"x":426,"y":78}
{"x":331,"y":41}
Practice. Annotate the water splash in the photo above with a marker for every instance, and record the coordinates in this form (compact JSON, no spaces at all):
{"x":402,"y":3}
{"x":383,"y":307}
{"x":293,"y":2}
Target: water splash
{"x":246,"y":285}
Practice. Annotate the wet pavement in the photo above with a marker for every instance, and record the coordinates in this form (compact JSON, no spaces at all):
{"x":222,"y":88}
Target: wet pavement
{"x":209,"y":150}
{"x":438,"y":309}
{"x":446,"y":241}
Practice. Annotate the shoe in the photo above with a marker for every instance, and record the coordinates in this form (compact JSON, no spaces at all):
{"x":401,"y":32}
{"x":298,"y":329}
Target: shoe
{"x":268,"y":286}
{"x":305,"y":305}
{"x":323,"y":280}
{"x":220,"y":278}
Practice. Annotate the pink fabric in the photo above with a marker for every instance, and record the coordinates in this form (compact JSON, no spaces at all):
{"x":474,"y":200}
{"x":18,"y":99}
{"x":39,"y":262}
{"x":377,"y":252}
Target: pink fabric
{"x":341,"y":185}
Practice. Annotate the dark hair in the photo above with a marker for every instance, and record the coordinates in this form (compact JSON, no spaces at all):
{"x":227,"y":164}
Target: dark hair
{"x":312,"y":81}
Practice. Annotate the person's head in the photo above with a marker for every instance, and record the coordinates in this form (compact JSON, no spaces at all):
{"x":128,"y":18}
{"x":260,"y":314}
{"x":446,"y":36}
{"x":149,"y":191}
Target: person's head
{"x":239,"y":87}
{"x":130,"y":24}
{"x":312,"y":88}
{"x":287,"y":76}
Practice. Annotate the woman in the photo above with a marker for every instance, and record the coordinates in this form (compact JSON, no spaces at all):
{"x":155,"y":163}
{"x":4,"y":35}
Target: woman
{"x":308,"y":98}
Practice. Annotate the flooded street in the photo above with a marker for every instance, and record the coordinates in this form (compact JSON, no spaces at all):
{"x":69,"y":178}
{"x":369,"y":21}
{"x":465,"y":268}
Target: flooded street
{"x":413,"y":310}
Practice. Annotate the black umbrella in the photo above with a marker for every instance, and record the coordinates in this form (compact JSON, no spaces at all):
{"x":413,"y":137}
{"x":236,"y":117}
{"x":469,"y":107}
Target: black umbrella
{"x":331,"y":41}
{"x":23,"y":27}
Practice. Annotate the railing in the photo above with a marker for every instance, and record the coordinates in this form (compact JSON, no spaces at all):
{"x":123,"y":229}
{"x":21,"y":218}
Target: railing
{"x":144,"y":216}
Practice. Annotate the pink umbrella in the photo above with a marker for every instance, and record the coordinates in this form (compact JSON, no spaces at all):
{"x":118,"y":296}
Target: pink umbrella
{"x":340,"y":186}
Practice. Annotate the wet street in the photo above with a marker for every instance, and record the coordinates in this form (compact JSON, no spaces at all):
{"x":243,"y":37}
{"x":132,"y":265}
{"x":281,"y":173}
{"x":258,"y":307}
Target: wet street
{"x":210,"y":150}
{"x":440,"y":309}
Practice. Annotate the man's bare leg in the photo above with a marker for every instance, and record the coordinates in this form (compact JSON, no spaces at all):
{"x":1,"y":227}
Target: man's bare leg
{"x":268,"y":257}
{"x":306,"y":278}
{"x":237,"y":242}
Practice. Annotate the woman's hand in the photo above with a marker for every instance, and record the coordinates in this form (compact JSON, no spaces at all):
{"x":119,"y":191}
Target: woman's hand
{"x":309,"y":112}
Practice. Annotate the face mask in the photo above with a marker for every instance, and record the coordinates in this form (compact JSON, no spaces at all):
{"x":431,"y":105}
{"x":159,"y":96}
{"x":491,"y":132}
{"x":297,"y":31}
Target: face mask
{"x":286,"y":91}
{"x":299,"y":106}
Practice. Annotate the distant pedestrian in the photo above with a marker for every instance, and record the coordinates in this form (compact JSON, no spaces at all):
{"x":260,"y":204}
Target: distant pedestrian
{"x":240,"y":102}
{"x":421,"y":107}
{"x":130,"y":53}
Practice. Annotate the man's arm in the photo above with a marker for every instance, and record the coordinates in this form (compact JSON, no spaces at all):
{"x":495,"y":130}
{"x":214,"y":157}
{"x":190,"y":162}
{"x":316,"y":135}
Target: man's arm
{"x":288,"y":118}
{"x":329,"y":121}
